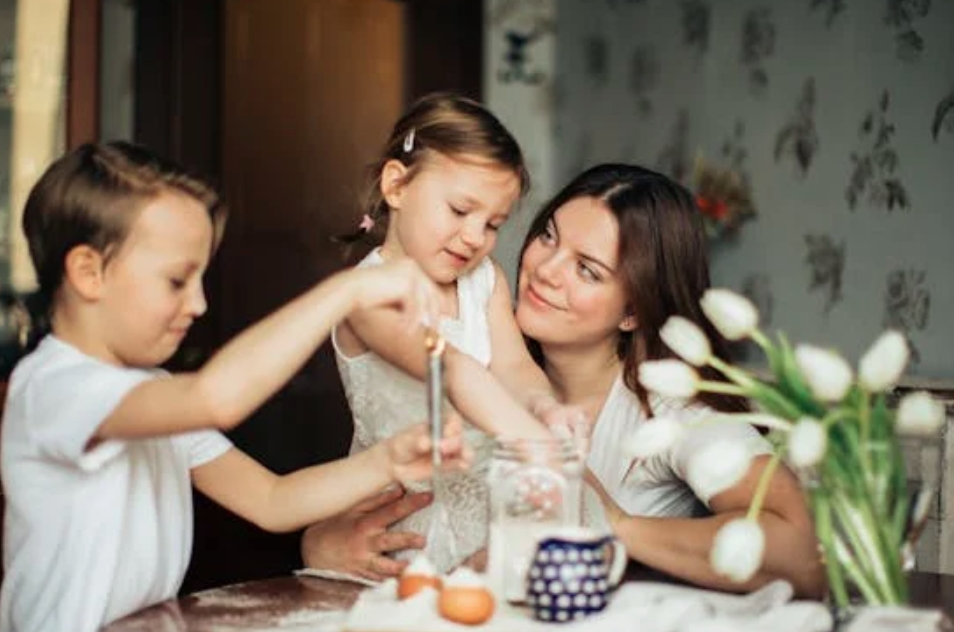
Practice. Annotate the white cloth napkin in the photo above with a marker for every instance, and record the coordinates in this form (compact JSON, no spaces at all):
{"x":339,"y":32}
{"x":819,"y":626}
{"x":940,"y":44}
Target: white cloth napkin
{"x":648,"y":606}
{"x":899,"y":619}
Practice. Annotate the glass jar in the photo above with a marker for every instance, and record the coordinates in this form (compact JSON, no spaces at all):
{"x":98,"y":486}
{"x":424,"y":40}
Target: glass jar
{"x":535,"y":488}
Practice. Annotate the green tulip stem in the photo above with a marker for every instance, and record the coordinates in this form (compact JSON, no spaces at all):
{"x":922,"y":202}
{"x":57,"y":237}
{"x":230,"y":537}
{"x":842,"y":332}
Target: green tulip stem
{"x":735,"y":374}
{"x":755,"y":389}
{"x":711,"y":386}
{"x":826,"y":538}
{"x":839,"y":414}
{"x":864,"y":422}
{"x":843,"y":556}
{"x":761,"y":340}
{"x":759,"y":497}
{"x":753,"y":419}
{"x":860,"y":526}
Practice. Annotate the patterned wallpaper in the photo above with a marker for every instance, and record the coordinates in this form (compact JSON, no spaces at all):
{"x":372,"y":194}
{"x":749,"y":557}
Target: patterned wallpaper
{"x":519,"y":63}
{"x":838,"y":113}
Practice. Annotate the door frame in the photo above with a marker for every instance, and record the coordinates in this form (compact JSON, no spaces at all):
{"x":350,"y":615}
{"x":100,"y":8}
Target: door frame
{"x":82,"y":72}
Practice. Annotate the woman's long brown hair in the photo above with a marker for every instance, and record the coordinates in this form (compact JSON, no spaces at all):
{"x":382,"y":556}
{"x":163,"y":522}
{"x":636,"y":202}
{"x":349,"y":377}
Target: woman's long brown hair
{"x":662,"y":262}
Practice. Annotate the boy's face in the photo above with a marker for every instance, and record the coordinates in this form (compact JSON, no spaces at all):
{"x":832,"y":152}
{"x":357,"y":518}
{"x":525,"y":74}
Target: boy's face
{"x":447,"y":216}
{"x":152,"y":288}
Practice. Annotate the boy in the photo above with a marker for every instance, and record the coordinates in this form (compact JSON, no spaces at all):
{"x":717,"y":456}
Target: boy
{"x":99,"y":445}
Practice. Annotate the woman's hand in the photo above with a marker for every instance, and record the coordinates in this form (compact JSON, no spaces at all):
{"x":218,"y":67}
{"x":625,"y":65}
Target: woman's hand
{"x":358,"y":541}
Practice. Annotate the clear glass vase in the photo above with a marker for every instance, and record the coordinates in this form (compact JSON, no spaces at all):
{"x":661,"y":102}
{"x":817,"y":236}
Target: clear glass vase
{"x":871,"y":499}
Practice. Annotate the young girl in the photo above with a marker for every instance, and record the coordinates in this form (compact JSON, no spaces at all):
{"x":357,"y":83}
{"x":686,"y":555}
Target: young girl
{"x":99,"y":445}
{"x":449,"y":176}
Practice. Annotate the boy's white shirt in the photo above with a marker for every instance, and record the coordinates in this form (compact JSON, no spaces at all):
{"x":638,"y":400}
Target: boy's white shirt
{"x":89,"y":536}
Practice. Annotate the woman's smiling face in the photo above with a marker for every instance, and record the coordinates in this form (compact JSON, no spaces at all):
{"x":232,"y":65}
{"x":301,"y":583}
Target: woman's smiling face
{"x":569,"y":288}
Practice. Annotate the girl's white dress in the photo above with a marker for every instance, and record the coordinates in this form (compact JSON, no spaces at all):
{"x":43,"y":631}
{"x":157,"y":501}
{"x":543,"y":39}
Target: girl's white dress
{"x":384,"y":399}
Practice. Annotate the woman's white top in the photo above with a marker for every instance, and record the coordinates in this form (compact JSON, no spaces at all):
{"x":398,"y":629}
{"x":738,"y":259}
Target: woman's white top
{"x":384,"y":399}
{"x":660,"y":485}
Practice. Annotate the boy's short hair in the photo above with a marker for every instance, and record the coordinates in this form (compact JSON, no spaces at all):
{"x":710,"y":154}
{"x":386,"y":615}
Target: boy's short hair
{"x":93,"y":194}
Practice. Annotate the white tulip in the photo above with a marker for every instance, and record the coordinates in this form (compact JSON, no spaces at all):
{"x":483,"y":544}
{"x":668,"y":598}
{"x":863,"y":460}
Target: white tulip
{"x":737,"y":550}
{"x":883,"y":363}
{"x":686,"y":339}
{"x":732,"y":314}
{"x":717,"y":467}
{"x":653,"y":437}
{"x":807,"y":442}
{"x":920,"y":414}
{"x":827,"y":374}
{"x":671,"y":378}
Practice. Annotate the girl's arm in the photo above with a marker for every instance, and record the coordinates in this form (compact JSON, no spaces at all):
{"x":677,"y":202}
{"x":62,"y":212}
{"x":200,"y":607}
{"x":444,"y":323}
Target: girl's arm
{"x":511,"y":362}
{"x":286,"y":503}
{"x":471,"y":388}
{"x":255,"y":364}
{"x":681,"y":546}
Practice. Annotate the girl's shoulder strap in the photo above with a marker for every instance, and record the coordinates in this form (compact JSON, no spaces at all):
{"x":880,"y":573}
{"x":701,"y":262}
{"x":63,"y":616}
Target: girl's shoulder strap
{"x":482,"y":278}
{"x":373,"y":258}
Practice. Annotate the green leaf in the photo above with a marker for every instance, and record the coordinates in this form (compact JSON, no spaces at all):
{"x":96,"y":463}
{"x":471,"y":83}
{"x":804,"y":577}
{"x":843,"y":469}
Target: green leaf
{"x":882,"y":420}
{"x":791,"y":382}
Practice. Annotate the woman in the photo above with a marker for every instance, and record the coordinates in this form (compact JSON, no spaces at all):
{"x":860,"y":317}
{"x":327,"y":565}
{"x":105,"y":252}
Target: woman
{"x":604,"y":265}
{"x":616,"y":253}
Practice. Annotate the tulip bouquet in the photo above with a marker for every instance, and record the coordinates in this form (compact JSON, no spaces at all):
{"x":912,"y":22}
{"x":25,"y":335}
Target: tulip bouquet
{"x":835,"y":429}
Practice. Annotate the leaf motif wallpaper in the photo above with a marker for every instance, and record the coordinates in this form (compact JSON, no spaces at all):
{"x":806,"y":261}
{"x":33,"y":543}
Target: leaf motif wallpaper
{"x":839,"y":113}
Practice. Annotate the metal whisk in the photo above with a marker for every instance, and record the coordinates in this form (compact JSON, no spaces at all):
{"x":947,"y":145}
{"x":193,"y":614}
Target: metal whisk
{"x":435,"y":345}
{"x":440,"y":532}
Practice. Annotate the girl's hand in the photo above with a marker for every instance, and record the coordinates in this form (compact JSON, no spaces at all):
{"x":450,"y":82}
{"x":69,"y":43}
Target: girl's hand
{"x":402,"y":284}
{"x":409,"y":451}
{"x":567,"y":422}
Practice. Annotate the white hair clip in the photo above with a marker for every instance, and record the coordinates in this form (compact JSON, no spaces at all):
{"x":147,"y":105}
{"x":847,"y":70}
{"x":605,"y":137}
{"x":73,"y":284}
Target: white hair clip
{"x":409,"y":142}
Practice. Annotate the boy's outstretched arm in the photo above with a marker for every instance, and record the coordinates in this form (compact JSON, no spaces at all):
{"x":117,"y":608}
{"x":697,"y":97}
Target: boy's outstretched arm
{"x":473,"y":389}
{"x":295,"y":500}
{"x":261,"y":359}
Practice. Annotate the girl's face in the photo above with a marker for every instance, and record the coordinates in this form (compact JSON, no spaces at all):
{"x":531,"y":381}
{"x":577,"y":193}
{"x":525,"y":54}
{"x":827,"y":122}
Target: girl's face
{"x":152,"y":288}
{"x":569,"y":289}
{"x":447,"y":216}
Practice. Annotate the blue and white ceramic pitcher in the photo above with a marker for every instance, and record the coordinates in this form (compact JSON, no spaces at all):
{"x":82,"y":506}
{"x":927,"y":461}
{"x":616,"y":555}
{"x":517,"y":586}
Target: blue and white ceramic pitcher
{"x":572,"y":573}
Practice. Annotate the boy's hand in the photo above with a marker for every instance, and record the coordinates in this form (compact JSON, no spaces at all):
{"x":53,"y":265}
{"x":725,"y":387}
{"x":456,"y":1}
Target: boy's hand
{"x":409,"y":451}
{"x":399,"y":283}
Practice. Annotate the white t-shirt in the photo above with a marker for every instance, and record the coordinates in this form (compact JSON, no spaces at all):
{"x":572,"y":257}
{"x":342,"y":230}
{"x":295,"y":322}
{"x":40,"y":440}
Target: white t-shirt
{"x":658,"y":485}
{"x":89,"y":536}
{"x":384,"y":400}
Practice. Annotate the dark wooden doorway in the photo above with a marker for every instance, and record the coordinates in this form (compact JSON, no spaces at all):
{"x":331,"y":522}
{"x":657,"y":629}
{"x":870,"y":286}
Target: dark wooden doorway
{"x":284,"y":103}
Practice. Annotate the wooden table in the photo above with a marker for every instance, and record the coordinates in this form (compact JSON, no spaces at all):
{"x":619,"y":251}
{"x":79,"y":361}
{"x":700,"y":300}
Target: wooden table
{"x":301,"y":602}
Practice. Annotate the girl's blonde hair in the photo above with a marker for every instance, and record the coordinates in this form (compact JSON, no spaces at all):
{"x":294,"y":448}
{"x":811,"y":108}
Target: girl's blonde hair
{"x":448,"y":124}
